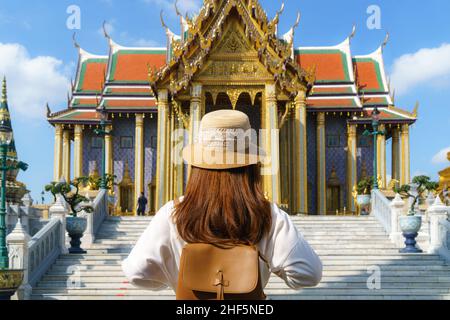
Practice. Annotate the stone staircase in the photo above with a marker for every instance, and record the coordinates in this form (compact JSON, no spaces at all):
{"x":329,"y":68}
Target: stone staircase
{"x":350,"y":249}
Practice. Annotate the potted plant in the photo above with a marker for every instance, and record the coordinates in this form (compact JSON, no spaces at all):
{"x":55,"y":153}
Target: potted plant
{"x":364,"y":189}
{"x":10,"y":281}
{"x":75,"y":225}
{"x":411,"y":222}
{"x":362,"y":192}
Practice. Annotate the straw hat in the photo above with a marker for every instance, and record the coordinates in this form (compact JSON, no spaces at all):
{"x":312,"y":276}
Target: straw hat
{"x":225,"y":141}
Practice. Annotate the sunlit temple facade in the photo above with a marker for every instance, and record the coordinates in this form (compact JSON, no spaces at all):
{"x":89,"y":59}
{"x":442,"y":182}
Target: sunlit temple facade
{"x":231,"y":55}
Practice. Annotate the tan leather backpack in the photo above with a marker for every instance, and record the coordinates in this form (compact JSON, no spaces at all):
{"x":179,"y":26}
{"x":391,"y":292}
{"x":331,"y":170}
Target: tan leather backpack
{"x":209,"y":272}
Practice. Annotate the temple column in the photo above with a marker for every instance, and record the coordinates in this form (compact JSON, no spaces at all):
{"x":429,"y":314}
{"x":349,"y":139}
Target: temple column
{"x":195,"y":113}
{"x":78,"y":152}
{"x":270,"y":143}
{"x":381,"y":161}
{"x":177,"y":160}
{"x":300,"y":156}
{"x":395,"y":154}
{"x":321,"y":168}
{"x":404,"y":155}
{"x":351,"y":166}
{"x":162,"y":156}
{"x":58,"y":155}
{"x":109,"y":152}
{"x":66,"y":155}
{"x":171,"y":166}
{"x":138,"y":158}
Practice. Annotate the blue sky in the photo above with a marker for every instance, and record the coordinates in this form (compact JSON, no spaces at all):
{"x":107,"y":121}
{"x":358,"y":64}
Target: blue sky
{"x":37,"y":56}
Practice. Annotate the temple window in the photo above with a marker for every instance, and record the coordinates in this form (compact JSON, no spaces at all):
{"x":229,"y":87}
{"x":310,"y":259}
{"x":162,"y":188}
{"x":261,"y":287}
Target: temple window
{"x":126,"y":142}
{"x":333,"y":141}
{"x":364,"y":142}
{"x":96,"y":143}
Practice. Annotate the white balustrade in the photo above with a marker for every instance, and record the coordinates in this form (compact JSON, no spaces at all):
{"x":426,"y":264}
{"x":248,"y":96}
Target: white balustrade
{"x":36,"y":255}
{"x":439,"y":229}
{"x":95,"y":218}
{"x":381,"y":209}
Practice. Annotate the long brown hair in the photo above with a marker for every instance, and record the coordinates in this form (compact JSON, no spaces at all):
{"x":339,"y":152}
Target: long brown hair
{"x":224,"y":207}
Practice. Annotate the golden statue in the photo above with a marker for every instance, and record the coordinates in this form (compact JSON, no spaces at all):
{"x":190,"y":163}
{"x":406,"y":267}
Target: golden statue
{"x":444,"y":177}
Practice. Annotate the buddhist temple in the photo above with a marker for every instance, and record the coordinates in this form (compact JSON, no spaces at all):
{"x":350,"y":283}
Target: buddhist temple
{"x":15,"y":190}
{"x":232,"y":55}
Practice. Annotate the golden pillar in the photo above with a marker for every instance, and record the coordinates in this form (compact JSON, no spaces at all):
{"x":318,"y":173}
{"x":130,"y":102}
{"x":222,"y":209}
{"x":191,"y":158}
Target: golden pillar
{"x":300,"y":156}
{"x":58,"y":155}
{"x":162,"y":145}
{"x":66,"y":155}
{"x":404,"y":155}
{"x":176,"y":156}
{"x":381,"y":161}
{"x":138,"y":158}
{"x":78,"y":151}
{"x":270,"y":143}
{"x":109,"y":152}
{"x":395,"y":154}
{"x":195,"y":113}
{"x":321,"y":168}
{"x":351,"y":166}
{"x":171,"y":164}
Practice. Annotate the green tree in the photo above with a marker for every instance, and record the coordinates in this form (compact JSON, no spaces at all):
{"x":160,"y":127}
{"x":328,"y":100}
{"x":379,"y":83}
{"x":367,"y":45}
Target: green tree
{"x":71,"y":194}
{"x":423,"y":183}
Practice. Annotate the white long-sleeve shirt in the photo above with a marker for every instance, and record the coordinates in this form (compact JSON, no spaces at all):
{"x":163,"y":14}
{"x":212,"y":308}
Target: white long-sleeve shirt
{"x":154,"y":261}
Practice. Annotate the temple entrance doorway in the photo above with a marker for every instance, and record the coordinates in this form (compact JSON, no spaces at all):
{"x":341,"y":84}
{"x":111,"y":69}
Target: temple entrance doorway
{"x":244,"y":103}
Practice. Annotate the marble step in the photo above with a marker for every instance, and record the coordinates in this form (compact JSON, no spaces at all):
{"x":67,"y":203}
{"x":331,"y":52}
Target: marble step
{"x":120,"y":257}
{"x":307,"y":235}
{"x":327,"y":273}
{"x":309,"y":291}
{"x":270,"y":286}
{"x":399,"y":278}
{"x":109,"y":249}
{"x":324,"y":262}
{"x":332,"y":266}
{"x":315,"y":244}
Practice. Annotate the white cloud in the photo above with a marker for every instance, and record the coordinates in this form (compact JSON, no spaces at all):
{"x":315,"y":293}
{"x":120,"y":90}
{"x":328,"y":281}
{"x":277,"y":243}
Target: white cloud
{"x":190,"y":6}
{"x":32,"y":81}
{"x":127,"y":39}
{"x":145,"y":43}
{"x":426,"y":66}
{"x":441,"y":156}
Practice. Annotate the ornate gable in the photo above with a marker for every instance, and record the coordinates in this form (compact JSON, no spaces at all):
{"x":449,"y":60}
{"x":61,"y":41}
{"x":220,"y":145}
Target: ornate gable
{"x":238,"y":32}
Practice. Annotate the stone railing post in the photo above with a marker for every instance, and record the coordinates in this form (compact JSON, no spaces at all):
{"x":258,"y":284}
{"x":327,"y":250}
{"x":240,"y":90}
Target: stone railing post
{"x":60,"y":210}
{"x":17,"y":242}
{"x":436,"y":213}
{"x":88,"y":237}
{"x":397,"y":206}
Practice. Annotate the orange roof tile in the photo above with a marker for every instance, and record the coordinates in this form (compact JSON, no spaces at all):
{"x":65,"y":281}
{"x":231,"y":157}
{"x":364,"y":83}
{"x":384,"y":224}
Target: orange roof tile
{"x":330,"y":65}
{"x":129,"y":91}
{"x":130,"y":103}
{"x":324,"y":103}
{"x":132,"y":65}
{"x":92,"y":75}
{"x":368,"y":75}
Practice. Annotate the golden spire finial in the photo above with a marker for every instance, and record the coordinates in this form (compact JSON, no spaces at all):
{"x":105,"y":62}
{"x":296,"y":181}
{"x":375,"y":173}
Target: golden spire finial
{"x":4,"y":92}
{"x":352,"y":35}
{"x":385,"y":41}
{"x":416,"y":110}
